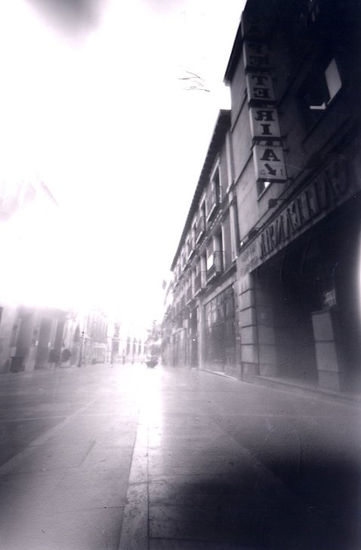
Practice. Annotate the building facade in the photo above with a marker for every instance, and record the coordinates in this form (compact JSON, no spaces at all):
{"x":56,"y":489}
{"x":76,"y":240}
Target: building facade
{"x":200,"y":321}
{"x":291,"y":153}
{"x":40,"y":338}
{"x":31,"y":338}
{"x":94,"y":337}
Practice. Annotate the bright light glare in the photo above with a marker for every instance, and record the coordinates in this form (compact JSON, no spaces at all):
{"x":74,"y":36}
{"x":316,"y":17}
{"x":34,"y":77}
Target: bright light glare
{"x":105,"y":123}
{"x":150,"y":399}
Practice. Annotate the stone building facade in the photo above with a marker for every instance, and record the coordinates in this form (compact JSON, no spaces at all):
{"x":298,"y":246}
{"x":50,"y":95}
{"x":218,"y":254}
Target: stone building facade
{"x":201,"y":319}
{"x":293,"y":165}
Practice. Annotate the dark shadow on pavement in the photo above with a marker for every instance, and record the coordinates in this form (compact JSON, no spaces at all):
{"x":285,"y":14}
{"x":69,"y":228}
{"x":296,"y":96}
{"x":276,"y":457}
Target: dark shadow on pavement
{"x":274,"y":506}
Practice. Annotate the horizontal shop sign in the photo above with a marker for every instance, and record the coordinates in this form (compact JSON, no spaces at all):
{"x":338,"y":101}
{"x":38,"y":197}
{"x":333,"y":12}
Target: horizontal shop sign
{"x":325,"y":192}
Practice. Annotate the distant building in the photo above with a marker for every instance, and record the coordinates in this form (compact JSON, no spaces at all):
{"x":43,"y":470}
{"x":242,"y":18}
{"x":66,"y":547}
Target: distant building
{"x":8,"y":336}
{"x":200,"y":323}
{"x":41,"y":338}
{"x":95,"y":337}
{"x":31,"y":338}
{"x":267,"y":273}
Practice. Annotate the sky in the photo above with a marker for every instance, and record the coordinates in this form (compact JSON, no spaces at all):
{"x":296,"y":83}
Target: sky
{"x":95,"y":104}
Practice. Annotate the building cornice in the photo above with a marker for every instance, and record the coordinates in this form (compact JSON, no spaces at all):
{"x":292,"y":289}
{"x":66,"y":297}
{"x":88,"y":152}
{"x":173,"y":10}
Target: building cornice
{"x":221,"y":128}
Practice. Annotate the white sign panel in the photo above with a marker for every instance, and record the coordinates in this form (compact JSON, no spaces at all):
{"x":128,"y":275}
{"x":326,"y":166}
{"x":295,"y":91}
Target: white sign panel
{"x":264,"y":122}
{"x":259,"y":88}
{"x":269,"y":163}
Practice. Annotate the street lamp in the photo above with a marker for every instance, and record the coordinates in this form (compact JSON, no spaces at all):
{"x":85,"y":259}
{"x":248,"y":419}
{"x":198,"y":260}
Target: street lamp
{"x":81,"y":349}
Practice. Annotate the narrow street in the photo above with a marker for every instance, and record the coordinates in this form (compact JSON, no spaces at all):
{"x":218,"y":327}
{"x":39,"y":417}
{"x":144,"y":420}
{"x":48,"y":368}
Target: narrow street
{"x":133,"y":458}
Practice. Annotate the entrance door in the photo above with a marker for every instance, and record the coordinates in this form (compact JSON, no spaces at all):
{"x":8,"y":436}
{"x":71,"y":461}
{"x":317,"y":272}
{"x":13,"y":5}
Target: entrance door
{"x":290,"y":295}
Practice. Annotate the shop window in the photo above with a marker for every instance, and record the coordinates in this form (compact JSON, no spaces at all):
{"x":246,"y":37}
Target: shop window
{"x":319,"y":91}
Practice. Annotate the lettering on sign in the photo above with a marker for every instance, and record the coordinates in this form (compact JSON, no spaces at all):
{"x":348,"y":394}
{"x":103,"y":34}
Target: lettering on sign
{"x":259,"y":88}
{"x":269,"y":162}
{"x":324,"y":193}
{"x":268,"y":154}
{"x":254,"y":27}
{"x":264,"y":122}
{"x":256,"y":56}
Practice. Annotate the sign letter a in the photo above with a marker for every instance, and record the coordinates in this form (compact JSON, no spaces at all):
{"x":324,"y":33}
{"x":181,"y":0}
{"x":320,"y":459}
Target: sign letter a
{"x":270,"y":155}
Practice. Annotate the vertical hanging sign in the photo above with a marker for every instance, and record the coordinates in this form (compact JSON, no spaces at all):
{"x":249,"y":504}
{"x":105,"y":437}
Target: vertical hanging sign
{"x":269,"y":162}
{"x":264,"y":123}
{"x":259,"y":88}
{"x":254,"y":27}
{"x":267,"y":149}
{"x":256,"y":56}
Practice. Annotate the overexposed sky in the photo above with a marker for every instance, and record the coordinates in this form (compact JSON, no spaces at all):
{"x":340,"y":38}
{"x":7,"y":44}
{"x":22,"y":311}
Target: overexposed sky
{"x":92,"y":104}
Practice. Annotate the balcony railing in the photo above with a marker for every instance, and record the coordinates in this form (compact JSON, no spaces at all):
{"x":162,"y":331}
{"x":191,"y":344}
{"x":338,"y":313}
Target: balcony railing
{"x":214,"y":264}
{"x":200,"y":228}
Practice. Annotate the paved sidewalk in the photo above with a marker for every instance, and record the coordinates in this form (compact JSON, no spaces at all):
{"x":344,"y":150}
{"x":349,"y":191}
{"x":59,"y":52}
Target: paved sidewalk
{"x":219,"y":465}
{"x":66,"y":490}
{"x":164,"y":459}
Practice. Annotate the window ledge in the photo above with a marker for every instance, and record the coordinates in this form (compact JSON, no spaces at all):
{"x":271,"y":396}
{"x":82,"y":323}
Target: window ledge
{"x":330,"y":107}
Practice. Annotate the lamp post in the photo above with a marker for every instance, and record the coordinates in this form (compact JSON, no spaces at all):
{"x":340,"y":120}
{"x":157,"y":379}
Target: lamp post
{"x":81,"y":349}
